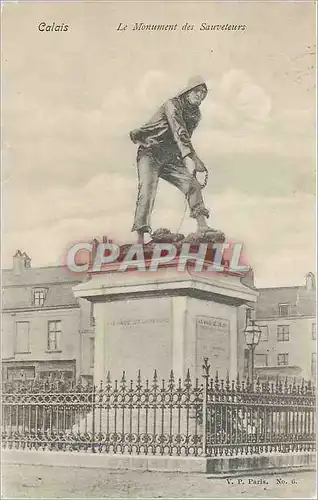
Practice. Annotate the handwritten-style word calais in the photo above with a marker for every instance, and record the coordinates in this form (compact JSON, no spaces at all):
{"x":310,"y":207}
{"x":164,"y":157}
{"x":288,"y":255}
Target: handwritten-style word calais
{"x":53,"y":27}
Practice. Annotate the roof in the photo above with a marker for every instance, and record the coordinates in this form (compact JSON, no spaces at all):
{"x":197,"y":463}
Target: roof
{"x":59,"y":282}
{"x":302,"y":302}
{"x":40,"y":276}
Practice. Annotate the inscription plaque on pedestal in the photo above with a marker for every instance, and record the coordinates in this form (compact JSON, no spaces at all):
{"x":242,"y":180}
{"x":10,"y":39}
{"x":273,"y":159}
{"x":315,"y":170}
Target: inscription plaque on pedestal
{"x":213,"y":342}
{"x":138,"y":337}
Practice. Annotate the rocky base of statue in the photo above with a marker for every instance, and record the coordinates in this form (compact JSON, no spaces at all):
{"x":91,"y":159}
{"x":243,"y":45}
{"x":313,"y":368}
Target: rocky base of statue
{"x":164,"y":235}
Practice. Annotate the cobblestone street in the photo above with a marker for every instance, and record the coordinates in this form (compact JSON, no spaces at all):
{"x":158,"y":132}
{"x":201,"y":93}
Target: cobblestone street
{"x":25,"y":481}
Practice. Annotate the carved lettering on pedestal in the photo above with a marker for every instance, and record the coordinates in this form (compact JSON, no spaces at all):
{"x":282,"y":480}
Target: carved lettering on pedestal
{"x":137,"y":321}
{"x":213,"y":341}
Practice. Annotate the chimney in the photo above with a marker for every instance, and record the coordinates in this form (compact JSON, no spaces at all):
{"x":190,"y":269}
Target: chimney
{"x":18,"y":262}
{"x":94,"y":244}
{"x":27,"y":260}
{"x":107,"y":240}
{"x":310,"y":282}
{"x":21,"y":261}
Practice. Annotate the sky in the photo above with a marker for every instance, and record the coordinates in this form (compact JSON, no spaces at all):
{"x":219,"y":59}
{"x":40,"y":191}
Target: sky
{"x":71,"y":98}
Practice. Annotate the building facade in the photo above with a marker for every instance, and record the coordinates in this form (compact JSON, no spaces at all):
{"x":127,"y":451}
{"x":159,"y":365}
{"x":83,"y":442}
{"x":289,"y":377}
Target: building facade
{"x":287,"y":318}
{"x":45,"y":330}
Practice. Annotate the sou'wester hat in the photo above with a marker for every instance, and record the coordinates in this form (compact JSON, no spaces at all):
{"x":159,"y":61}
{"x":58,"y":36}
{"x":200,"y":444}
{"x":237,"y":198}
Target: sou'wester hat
{"x":194,"y":81}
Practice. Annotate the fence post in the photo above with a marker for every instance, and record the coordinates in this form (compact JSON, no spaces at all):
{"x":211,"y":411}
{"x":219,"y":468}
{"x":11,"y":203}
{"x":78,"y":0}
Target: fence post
{"x":93,"y":418}
{"x":206,"y":379}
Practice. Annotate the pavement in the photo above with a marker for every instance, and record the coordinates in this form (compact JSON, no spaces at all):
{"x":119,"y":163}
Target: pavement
{"x":29,"y":481}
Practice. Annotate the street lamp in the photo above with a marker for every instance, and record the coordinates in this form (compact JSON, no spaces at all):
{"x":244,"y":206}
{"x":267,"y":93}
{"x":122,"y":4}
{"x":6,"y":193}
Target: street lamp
{"x":252,"y":334}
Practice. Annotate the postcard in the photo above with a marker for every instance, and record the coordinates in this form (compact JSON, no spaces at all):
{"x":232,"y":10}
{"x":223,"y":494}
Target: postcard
{"x":158,"y":249}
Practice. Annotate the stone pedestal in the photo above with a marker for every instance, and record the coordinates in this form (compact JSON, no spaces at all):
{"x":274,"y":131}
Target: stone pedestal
{"x":165,"y":320}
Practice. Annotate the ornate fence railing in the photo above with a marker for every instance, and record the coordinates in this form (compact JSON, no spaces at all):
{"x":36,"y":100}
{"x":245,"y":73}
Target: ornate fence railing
{"x":208,"y":417}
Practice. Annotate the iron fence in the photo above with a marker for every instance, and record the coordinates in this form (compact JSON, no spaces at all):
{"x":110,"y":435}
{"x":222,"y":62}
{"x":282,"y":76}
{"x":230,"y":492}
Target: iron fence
{"x":207,"y":417}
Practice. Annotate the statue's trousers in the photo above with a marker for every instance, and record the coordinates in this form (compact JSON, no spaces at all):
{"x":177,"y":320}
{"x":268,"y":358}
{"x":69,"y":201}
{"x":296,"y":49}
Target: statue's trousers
{"x":163,"y":162}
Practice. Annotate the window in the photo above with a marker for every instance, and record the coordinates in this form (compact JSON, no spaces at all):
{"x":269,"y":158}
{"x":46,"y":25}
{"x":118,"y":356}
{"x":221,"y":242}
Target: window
{"x":264,"y":333}
{"x":25,"y":373}
{"x":283,"y":309}
{"x":282,"y":333}
{"x":39,"y":295}
{"x":91,"y":315}
{"x":21,"y":337}
{"x":313,"y":365}
{"x":56,"y":375}
{"x":261,"y":360}
{"x":246,"y":358}
{"x":54,"y":335}
{"x":282,"y":359}
{"x":91,"y":351}
{"x":249,"y":314}
{"x":313,"y":331}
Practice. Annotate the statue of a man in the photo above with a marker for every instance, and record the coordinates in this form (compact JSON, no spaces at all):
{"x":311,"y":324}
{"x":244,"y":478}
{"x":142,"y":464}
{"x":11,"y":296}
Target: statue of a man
{"x":165,"y":150}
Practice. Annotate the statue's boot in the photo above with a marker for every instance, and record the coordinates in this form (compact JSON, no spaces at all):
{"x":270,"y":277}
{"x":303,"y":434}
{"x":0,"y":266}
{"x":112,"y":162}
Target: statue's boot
{"x":141,"y":233}
{"x":210,"y":234}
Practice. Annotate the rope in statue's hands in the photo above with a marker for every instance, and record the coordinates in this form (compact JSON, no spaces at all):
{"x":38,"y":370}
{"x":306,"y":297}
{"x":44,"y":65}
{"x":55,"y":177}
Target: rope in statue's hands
{"x":197,"y":166}
{"x":202,"y":186}
{"x":206,"y":177}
